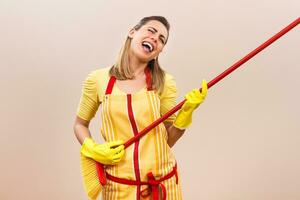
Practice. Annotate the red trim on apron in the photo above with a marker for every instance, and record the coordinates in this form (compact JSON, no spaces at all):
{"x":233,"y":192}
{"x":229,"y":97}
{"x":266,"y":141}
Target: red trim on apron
{"x":148,"y":78}
{"x":110,"y":85}
{"x":136,"y":146}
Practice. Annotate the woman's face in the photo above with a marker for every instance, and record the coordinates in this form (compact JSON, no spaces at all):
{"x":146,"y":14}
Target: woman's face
{"x":148,"y":41}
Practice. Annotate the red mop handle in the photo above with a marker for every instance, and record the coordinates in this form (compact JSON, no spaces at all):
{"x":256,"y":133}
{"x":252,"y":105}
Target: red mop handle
{"x":215,"y":80}
{"x":99,"y":166}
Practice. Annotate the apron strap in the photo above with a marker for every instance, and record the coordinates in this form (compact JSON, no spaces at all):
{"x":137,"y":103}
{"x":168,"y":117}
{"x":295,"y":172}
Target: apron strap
{"x":148,"y":78}
{"x":110,"y":85}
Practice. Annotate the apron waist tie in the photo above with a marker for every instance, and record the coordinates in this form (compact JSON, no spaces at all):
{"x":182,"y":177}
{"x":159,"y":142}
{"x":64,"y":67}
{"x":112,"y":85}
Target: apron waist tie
{"x":153,"y":183}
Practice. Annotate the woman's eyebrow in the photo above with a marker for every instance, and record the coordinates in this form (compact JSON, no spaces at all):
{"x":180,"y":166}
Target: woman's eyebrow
{"x":156,"y":31}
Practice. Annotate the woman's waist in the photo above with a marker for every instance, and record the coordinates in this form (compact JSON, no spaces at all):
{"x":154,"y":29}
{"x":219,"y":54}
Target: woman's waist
{"x":133,"y":172}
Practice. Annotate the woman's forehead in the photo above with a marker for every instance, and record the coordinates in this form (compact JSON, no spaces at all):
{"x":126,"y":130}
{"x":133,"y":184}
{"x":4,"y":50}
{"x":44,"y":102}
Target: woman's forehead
{"x":158,"y":26}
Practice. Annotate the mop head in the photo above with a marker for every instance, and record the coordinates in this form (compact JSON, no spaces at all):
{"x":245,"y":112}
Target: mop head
{"x":89,"y":174}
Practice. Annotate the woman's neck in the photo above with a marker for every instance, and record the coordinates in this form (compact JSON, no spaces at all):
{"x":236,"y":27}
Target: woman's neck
{"x":137,"y":67}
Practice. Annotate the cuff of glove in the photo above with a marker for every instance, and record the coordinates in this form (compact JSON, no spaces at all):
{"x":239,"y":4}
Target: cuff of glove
{"x":181,"y":127}
{"x":86,"y":146}
{"x":178,"y":127}
{"x":183,"y":120}
{"x":88,"y":142}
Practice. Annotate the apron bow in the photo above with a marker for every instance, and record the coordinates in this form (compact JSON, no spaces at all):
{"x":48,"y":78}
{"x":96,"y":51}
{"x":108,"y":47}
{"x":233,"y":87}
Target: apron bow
{"x":154,"y":188}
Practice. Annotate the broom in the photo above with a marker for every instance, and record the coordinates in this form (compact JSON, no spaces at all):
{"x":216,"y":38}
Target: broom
{"x":91,"y":183}
{"x":93,"y":173}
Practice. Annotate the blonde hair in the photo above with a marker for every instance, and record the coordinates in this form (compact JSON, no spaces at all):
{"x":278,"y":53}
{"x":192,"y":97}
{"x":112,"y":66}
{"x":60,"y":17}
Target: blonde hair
{"x":121,"y":69}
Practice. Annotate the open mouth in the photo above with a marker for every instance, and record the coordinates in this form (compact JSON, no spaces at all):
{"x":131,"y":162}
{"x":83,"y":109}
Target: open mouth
{"x":147,"y":46}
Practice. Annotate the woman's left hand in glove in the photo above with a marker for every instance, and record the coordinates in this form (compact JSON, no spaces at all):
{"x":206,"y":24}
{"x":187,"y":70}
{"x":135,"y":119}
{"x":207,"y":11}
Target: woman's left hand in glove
{"x":193,"y":99}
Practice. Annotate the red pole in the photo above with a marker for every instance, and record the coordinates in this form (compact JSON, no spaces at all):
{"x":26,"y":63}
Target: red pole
{"x":215,"y":80}
{"x":99,"y":166}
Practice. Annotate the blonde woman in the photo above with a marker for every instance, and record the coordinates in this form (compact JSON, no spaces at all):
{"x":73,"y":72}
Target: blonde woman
{"x":133,"y":93}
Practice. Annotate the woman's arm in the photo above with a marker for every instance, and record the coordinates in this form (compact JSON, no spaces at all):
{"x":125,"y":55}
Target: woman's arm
{"x":173,"y":133}
{"x":87,"y":107}
{"x":81,"y":129}
{"x":108,"y":153}
{"x":184,"y":118}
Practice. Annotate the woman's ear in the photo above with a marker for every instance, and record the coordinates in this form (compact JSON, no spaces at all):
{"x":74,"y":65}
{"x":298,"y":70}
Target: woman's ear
{"x":131,"y":33}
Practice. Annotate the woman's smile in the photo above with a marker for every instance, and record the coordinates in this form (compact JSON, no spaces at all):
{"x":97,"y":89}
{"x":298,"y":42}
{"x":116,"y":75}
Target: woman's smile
{"x":147,"y":46}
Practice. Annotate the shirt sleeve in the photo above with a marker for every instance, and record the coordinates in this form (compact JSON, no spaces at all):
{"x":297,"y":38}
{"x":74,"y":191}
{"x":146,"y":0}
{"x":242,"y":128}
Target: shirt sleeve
{"x":168,"y":97}
{"x":89,"y":101}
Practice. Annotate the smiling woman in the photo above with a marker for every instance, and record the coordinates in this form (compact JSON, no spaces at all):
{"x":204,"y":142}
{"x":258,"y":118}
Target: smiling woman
{"x":133,"y":93}
{"x":144,"y":43}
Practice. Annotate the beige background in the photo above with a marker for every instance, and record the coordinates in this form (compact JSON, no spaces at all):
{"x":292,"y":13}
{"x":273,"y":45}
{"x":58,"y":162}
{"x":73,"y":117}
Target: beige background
{"x":244,"y":142}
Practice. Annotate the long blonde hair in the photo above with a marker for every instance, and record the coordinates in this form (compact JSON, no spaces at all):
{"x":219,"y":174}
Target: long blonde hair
{"x":121,"y":69}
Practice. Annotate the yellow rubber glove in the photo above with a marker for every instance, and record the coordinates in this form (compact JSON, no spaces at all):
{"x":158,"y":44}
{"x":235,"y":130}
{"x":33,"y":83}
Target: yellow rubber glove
{"x":109,"y":153}
{"x":193,"y":100}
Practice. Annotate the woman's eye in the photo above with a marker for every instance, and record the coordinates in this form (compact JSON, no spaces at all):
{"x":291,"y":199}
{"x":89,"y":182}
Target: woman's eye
{"x":162,"y":41}
{"x":152,"y":31}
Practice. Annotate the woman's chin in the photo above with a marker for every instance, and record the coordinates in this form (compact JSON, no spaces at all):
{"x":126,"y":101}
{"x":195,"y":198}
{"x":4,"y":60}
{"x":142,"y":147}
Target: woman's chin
{"x":143,"y":57}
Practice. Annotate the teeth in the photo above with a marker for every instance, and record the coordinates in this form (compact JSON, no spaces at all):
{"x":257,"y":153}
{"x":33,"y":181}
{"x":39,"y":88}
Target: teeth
{"x":149,"y":45}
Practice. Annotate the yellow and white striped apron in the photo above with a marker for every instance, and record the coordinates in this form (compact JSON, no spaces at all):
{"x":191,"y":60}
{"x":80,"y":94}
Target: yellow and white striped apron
{"x":123,"y":116}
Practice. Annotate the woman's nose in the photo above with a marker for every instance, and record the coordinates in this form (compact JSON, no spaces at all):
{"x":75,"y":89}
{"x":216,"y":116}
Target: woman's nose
{"x":154,"y":38}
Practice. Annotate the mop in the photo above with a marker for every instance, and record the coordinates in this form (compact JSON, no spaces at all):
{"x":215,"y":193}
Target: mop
{"x":93,"y":172}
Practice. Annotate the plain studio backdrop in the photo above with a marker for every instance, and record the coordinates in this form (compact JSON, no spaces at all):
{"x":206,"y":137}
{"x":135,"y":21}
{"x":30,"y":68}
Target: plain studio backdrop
{"x":244,"y":140}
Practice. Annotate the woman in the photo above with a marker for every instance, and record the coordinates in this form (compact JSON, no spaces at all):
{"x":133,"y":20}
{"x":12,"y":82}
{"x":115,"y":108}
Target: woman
{"x":133,"y":93}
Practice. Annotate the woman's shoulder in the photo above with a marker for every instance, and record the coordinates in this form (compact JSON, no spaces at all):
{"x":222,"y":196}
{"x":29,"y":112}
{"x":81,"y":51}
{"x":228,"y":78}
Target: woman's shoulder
{"x":97,"y":81}
{"x":169,"y":80}
{"x":168,"y":77}
{"x":169,"y":85}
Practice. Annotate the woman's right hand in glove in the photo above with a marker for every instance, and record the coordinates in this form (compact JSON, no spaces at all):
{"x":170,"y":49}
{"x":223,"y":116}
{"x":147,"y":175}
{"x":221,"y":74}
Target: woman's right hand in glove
{"x":109,"y":153}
